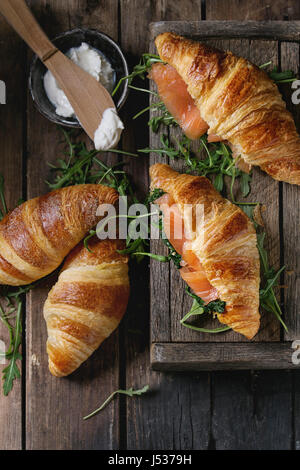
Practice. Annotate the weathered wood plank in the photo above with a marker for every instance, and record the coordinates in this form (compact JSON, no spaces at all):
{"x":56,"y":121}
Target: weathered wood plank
{"x":252,"y":411}
{"x":12,"y":139}
{"x":290,"y":59}
{"x":266,"y":190}
{"x":135,"y":329}
{"x":243,"y":382}
{"x":148,"y":422}
{"x":280,"y":30}
{"x":55,"y":407}
{"x":296,"y":409}
{"x":221,"y":356}
{"x":263,"y":189}
{"x":175,"y":415}
{"x":258,"y":10}
{"x":160,"y":286}
{"x":290,"y":211}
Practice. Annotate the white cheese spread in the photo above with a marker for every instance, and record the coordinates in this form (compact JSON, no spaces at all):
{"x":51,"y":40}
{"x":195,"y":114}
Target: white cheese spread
{"x":109,"y":130}
{"x":90,"y":60}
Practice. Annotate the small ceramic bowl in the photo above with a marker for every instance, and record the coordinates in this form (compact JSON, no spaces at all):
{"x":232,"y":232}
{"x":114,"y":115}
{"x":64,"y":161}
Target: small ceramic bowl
{"x":64,"y":42}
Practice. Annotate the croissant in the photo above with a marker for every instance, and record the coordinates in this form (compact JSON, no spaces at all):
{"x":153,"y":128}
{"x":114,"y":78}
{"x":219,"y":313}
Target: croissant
{"x":86,"y":304}
{"x":220,"y":256}
{"x":37,"y":235}
{"x":239,"y":103}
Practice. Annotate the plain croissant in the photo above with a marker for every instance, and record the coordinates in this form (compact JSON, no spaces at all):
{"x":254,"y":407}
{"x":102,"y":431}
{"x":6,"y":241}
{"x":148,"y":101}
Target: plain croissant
{"x":37,"y":235}
{"x":239,"y":102}
{"x":86,"y":304}
{"x":224,"y":242}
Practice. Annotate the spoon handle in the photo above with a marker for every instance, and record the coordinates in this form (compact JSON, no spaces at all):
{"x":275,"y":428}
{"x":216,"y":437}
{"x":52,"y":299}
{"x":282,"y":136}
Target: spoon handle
{"x":22,"y":20}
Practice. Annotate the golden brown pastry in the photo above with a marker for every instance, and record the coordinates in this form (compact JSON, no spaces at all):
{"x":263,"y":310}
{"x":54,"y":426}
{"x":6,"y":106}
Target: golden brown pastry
{"x":86,"y":304}
{"x":239,"y":102}
{"x":223,"y":244}
{"x":37,"y":235}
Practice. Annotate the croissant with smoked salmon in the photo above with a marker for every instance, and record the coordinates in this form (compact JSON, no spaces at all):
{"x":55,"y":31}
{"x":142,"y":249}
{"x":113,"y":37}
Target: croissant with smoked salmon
{"x":231,"y":98}
{"x":86,"y":304}
{"x":218,"y":247}
{"x":37,"y":235}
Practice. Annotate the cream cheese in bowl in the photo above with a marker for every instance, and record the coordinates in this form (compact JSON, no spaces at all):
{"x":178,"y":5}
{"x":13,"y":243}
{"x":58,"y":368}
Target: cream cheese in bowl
{"x":97,"y":54}
{"x":90,"y":60}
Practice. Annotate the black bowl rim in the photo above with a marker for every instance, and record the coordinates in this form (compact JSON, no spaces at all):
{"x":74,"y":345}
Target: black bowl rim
{"x":60,"y":120}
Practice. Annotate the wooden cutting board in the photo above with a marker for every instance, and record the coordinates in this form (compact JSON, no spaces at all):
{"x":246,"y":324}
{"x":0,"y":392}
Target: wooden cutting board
{"x":175,"y":347}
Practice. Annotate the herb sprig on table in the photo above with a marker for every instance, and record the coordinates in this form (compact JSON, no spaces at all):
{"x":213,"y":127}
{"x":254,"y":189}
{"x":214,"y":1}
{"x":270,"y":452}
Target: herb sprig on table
{"x":11,"y":305}
{"x":269,"y":275}
{"x":279,"y":77}
{"x":130,"y":393}
{"x":140,"y":70}
{"x":83,"y":166}
{"x":11,"y":317}
{"x":217,"y":164}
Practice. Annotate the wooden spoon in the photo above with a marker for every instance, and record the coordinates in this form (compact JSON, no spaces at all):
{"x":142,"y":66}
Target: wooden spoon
{"x":87,"y":96}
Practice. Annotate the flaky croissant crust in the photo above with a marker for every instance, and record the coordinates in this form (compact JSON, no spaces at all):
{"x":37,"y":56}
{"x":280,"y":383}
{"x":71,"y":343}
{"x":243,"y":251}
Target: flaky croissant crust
{"x":86,"y":304}
{"x":225,"y":246}
{"x":37,"y":235}
{"x":239,"y":102}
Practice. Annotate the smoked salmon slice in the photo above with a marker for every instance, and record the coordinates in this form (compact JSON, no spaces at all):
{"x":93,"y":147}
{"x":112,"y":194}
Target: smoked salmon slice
{"x":192,"y":271}
{"x":173,"y":92}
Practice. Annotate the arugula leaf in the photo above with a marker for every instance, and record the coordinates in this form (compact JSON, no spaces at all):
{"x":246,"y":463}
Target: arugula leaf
{"x":269,"y":280}
{"x":164,"y":119}
{"x":139,"y":70}
{"x":215,"y":306}
{"x":244,"y":184}
{"x":12,"y":372}
{"x":130,"y":393}
{"x":197,"y":309}
{"x":282,"y":77}
{"x":279,"y":77}
{"x":14,"y":300}
{"x":4,"y":209}
{"x":155,"y":194}
{"x":200,"y":308}
{"x":161,"y":258}
{"x":217,"y":164}
{"x":11,"y":317}
{"x":173,"y":255}
{"x":82,"y":166}
{"x":219,"y":182}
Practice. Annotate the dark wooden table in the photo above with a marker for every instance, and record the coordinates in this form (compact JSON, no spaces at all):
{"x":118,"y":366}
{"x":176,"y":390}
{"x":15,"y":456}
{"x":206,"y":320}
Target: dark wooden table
{"x":218,"y":410}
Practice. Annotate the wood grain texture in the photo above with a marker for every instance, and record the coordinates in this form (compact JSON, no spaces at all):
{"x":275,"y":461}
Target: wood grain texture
{"x":290,"y":60}
{"x":135,"y":331}
{"x":266,"y":190}
{"x":222,"y":410}
{"x":279,"y":30}
{"x":55,"y":407}
{"x":244,"y":434}
{"x":258,"y":10}
{"x":160,"y":273}
{"x":149,"y":422}
{"x":296,"y":410}
{"x":252,"y":410}
{"x":263,"y":189}
{"x":12,"y":138}
{"x":221,"y":356}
